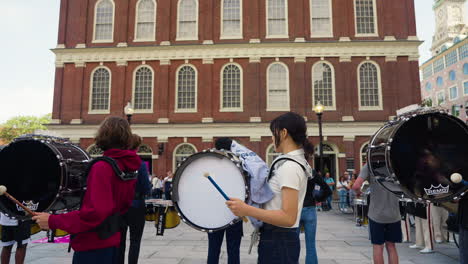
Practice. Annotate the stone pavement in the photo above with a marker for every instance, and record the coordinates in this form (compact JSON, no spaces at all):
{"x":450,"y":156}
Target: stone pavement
{"x":338,"y":241}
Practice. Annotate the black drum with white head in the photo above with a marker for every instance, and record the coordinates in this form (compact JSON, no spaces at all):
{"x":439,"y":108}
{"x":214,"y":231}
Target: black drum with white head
{"x":195,"y":198}
{"x":44,"y":173}
{"x":416,"y":154}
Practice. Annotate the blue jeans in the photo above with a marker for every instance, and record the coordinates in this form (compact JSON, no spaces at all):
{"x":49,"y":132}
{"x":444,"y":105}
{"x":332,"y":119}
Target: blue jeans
{"x":463,"y":244}
{"x":98,"y":256}
{"x":329,"y":201}
{"x":278,"y":245}
{"x":343,"y":199}
{"x":309,"y":221}
{"x":233,"y":240}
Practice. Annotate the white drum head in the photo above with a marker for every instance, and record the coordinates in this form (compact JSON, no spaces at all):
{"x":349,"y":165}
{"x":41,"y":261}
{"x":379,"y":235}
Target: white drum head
{"x":197,"y":200}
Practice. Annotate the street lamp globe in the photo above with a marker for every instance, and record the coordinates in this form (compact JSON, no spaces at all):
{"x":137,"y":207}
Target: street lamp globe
{"x":318,"y":109}
{"x":128,"y":110}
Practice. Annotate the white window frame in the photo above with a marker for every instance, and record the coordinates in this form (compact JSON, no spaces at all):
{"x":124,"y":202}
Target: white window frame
{"x":241,"y":108}
{"x":376,"y":25}
{"x":331,"y":21}
{"x":174,"y":153}
{"x":153,"y":38}
{"x":176,"y":109}
{"x":95,"y":21}
{"x":178,"y":38}
{"x":450,"y":93}
{"x":269,"y":109}
{"x":241,"y":32}
{"x":379,"y":83}
{"x":326,"y":108}
{"x":143,"y":111}
{"x":268,"y":35}
{"x":271,"y":146}
{"x":360,"y":153}
{"x":437,"y":97}
{"x":463,"y":83}
{"x":98,"y":112}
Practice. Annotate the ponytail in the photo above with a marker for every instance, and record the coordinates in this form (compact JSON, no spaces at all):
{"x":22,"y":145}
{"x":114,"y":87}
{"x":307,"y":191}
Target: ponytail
{"x":308,"y":148}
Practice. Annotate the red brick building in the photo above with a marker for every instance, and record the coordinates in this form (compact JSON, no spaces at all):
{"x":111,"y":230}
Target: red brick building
{"x":195,"y":70}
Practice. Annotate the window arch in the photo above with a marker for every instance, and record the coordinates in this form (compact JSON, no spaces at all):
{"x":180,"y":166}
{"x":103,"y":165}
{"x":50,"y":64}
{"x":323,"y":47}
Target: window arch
{"x":428,"y":87}
{"x":104,"y":21}
{"x":186,"y":97}
{"x":323,"y":85}
{"x":321,"y":24}
{"x":452,"y":75}
{"x":100,"y":90}
{"x":187,"y":20}
{"x":370,"y":89}
{"x":231,"y":87}
{"x":95,"y":151}
{"x":365,"y":12}
{"x":277,"y":87}
{"x":440,"y":81}
{"x":271,"y":154}
{"x":277,"y":18}
{"x":144,"y":150}
{"x":181,"y":152}
{"x":145,"y":26}
{"x":143,"y":86}
{"x":231,"y":22}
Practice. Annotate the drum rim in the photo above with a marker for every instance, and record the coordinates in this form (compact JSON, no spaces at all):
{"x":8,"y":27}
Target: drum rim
{"x":49,"y":142}
{"x":399,"y":122}
{"x":174,"y":193}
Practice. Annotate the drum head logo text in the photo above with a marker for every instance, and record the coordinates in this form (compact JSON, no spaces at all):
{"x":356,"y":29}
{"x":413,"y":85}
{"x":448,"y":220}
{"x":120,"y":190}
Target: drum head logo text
{"x":29,"y":204}
{"x":436,"y":190}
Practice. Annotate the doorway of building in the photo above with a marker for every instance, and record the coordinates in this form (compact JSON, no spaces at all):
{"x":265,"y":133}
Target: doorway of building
{"x":329,"y":164}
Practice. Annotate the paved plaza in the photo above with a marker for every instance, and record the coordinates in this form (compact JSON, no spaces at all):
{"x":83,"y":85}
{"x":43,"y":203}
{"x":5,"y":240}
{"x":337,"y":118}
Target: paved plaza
{"x":338,"y":241}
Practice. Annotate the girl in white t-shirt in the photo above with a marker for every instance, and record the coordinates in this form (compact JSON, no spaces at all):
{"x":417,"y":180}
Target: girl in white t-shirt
{"x":279,"y":239}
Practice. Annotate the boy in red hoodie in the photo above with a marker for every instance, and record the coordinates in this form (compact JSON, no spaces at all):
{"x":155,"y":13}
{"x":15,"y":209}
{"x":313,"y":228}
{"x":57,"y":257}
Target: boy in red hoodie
{"x":105,"y":196}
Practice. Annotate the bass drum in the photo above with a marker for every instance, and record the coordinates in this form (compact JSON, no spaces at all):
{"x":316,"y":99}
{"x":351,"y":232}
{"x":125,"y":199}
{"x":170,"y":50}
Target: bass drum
{"x":414,"y":155}
{"x":44,"y":173}
{"x":197,"y":201}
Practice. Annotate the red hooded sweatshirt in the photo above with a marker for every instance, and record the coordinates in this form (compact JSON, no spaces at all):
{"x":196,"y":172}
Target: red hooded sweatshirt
{"x":106,"y":194}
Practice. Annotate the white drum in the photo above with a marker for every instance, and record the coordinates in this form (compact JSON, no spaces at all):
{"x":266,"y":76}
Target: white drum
{"x":197,"y":201}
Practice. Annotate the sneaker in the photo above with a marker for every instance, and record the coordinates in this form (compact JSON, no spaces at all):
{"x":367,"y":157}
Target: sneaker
{"x":426,"y":251}
{"x":415,"y":246}
{"x":439,"y":241}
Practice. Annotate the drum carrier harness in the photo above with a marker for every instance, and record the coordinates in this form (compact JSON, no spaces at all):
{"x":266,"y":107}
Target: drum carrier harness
{"x":113,"y":223}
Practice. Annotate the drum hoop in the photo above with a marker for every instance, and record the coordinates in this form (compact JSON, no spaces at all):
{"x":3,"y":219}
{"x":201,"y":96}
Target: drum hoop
{"x":175,"y":195}
{"x":399,"y":122}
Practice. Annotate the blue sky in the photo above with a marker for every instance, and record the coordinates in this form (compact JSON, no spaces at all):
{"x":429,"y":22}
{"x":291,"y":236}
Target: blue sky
{"x":27,"y":69}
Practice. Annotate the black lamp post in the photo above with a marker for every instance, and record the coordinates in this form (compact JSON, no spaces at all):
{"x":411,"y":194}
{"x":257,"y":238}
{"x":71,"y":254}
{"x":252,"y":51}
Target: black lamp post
{"x":128,"y":110}
{"x":318,"y":109}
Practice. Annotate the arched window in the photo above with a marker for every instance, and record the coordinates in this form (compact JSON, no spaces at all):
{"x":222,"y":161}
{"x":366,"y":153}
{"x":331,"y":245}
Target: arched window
{"x":370,"y":91}
{"x":143,"y":89}
{"x":271,"y":154}
{"x":100,"y":90}
{"x":364,"y":154}
{"x":277,"y":87}
{"x":231,"y":19}
{"x":323,"y":82}
{"x":146,"y":20}
{"x":104,"y":21}
{"x":95,"y":151}
{"x":428,"y":87}
{"x":321,"y":18}
{"x":440,"y":81}
{"x":465,"y":68}
{"x":277,"y":18}
{"x":366,"y":17}
{"x":182,"y":152}
{"x":187,"y":20}
{"x":186,"y":89}
{"x":144,"y":150}
{"x":231,"y":94}
{"x":452,"y":75}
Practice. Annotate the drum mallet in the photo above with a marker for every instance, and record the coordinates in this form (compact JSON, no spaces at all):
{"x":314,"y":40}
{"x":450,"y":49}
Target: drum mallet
{"x":3,"y":191}
{"x":457,"y":178}
{"x":207,"y":175}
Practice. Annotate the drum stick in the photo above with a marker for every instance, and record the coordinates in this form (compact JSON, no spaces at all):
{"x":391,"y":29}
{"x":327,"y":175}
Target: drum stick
{"x":3,"y":191}
{"x":207,"y":175}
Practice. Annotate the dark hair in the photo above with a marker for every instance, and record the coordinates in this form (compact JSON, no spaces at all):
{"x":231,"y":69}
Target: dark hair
{"x":223,"y":143}
{"x":114,"y":132}
{"x":136,"y":141}
{"x":297,"y":129}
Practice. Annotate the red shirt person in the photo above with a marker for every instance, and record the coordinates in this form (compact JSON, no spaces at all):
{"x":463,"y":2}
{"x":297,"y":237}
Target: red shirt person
{"x":106,"y":195}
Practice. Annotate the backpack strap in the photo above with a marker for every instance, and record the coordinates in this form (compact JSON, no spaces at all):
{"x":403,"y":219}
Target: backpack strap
{"x":124,"y":176}
{"x":270,"y":174}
